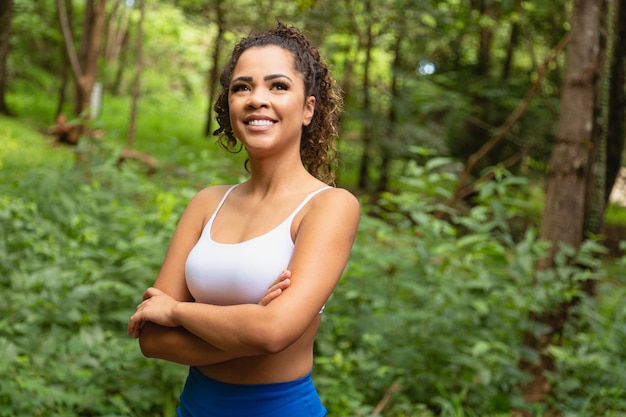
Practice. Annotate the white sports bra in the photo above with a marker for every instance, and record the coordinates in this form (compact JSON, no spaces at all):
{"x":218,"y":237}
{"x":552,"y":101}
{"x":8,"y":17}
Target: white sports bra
{"x":239,"y":273}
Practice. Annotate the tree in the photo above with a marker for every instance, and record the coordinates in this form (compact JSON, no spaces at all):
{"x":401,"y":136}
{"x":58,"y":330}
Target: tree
{"x":392,"y":116}
{"x":612,"y":126}
{"x":84,"y":63}
{"x":213,"y":76}
{"x":117,"y":30}
{"x":367,"y":134}
{"x":64,"y":73}
{"x":6,"y":13}
{"x":130,"y":137}
{"x":577,"y":170}
{"x":116,"y":48}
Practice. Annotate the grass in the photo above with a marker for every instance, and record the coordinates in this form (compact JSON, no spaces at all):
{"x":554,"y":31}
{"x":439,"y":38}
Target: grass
{"x":24,"y":148}
{"x":168,"y":129}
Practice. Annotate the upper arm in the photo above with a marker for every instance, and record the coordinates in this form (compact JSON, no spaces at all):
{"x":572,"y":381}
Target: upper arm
{"x":171,"y":277}
{"x":322,"y":247}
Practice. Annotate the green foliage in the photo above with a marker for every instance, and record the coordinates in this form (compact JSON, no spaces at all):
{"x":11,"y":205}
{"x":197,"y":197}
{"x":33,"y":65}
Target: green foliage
{"x":168,"y":38}
{"x":453,"y":109}
{"x":437,"y":306}
{"x":590,"y":378}
{"x":615,"y":215}
{"x":35,"y":29}
{"x":76,"y":250}
{"x":440,"y":307}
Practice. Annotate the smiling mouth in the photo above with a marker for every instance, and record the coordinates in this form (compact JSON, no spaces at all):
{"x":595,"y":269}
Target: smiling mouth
{"x":260,"y":122}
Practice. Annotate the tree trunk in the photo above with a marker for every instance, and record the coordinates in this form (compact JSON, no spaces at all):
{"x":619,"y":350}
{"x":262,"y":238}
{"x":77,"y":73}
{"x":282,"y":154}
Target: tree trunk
{"x":563,"y":217}
{"x":388,"y":142}
{"x":121,"y":65}
{"x":212,"y":80}
{"x":367,"y":122}
{"x":513,"y":43}
{"x":93,"y":31}
{"x":116,"y":45}
{"x":85,"y":64}
{"x":608,"y":129}
{"x":485,"y":38}
{"x":482,"y":114}
{"x":348,"y":71}
{"x":113,"y":30}
{"x":608,"y":132}
{"x":130,"y":136}
{"x":6,"y":14}
{"x":65,"y":67}
{"x":616,"y":123}
{"x":62,"y":88}
{"x":569,"y":168}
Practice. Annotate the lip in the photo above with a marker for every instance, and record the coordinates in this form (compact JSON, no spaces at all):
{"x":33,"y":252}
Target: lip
{"x":248,"y":119}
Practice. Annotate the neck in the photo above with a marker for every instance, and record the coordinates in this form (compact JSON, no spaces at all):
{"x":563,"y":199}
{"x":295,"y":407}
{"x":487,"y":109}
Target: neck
{"x":268,"y":176}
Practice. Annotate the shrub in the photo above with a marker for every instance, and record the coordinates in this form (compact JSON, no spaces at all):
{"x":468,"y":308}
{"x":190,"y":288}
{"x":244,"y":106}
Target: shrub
{"x":435,"y":308}
{"x":440,"y":307}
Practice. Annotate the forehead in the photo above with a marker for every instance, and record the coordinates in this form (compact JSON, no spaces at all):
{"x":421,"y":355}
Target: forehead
{"x":271,"y":59}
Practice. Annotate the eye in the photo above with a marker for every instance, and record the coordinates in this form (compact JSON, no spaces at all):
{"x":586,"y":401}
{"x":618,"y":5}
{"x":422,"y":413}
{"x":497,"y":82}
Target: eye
{"x":236,"y":88}
{"x":279,"y":85}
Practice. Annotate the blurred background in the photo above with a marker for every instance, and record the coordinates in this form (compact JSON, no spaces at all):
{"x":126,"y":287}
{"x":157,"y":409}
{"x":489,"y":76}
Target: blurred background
{"x":484,"y":138}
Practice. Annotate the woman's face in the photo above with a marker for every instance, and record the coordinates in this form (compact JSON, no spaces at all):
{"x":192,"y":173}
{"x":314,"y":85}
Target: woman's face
{"x":268,"y":107}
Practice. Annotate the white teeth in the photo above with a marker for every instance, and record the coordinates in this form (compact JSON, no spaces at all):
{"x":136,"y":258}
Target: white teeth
{"x":260,"y":122}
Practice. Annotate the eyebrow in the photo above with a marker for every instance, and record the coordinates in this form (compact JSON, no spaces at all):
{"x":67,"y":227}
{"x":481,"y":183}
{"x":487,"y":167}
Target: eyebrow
{"x":266,"y":78}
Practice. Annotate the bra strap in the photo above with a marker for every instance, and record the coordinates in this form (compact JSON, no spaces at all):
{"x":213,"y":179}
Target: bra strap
{"x":306,"y":200}
{"x":221,"y":203}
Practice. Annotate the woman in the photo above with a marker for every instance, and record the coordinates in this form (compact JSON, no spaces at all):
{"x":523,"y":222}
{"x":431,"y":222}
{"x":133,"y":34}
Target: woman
{"x":241,"y":291}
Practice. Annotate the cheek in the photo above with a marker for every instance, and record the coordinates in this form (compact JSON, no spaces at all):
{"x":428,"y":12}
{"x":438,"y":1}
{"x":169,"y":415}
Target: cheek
{"x":232,"y":120}
{"x":233,"y":110}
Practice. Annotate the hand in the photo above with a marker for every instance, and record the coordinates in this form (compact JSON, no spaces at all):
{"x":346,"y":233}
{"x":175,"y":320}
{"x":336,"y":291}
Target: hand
{"x":276,"y":289}
{"x":156,"y":307}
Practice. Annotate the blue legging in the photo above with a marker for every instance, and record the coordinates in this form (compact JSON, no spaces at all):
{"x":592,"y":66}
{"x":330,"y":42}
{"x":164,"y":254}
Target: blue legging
{"x":205,"y":397}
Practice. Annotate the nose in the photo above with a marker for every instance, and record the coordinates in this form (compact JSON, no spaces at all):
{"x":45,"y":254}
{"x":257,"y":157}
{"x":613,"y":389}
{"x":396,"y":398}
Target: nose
{"x":258,"y":98}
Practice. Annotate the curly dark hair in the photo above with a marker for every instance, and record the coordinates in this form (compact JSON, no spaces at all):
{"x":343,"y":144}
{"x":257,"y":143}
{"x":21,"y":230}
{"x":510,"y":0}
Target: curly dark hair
{"x":318,"y":148}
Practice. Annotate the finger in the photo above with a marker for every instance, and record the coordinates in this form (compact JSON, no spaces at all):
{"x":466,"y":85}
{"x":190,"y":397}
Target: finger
{"x":134,"y":327}
{"x":141,"y":305}
{"x":137,"y":330}
{"x":281,"y":282}
{"x":150,"y":292}
{"x":282,"y":285}
{"x":285,"y":274}
{"x":275,"y":291}
{"x":131,"y":325}
{"x":269,"y":296}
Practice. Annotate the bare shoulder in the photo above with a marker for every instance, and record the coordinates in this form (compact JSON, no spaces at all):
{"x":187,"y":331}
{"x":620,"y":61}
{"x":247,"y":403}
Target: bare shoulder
{"x":335,"y":204}
{"x":214,"y":192}
{"x":338,"y":197}
{"x":208,"y":198}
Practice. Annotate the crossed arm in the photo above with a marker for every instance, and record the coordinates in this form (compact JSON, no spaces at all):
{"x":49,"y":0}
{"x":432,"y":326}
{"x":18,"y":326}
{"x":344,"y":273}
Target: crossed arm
{"x":177,"y":344}
{"x":171,"y":326}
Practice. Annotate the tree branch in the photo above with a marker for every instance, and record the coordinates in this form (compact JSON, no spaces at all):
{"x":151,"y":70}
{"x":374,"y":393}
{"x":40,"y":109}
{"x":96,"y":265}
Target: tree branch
{"x":393,"y":388}
{"x":69,"y":40}
{"x":509,"y":122}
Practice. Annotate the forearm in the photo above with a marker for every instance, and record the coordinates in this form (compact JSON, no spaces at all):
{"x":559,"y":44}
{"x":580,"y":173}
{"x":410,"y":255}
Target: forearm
{"x":176,"y":344}
{"x":241,"y":330}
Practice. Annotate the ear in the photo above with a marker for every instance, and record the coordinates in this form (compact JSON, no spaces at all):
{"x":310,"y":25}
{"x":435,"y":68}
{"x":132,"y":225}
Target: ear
{"x":309,"y":110}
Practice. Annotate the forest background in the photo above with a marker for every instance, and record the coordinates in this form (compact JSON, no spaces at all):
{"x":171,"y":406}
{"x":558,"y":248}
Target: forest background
{"x":482,"y":137}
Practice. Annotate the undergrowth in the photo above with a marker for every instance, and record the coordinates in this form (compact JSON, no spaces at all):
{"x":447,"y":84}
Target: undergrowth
{"x":431,"y":311}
